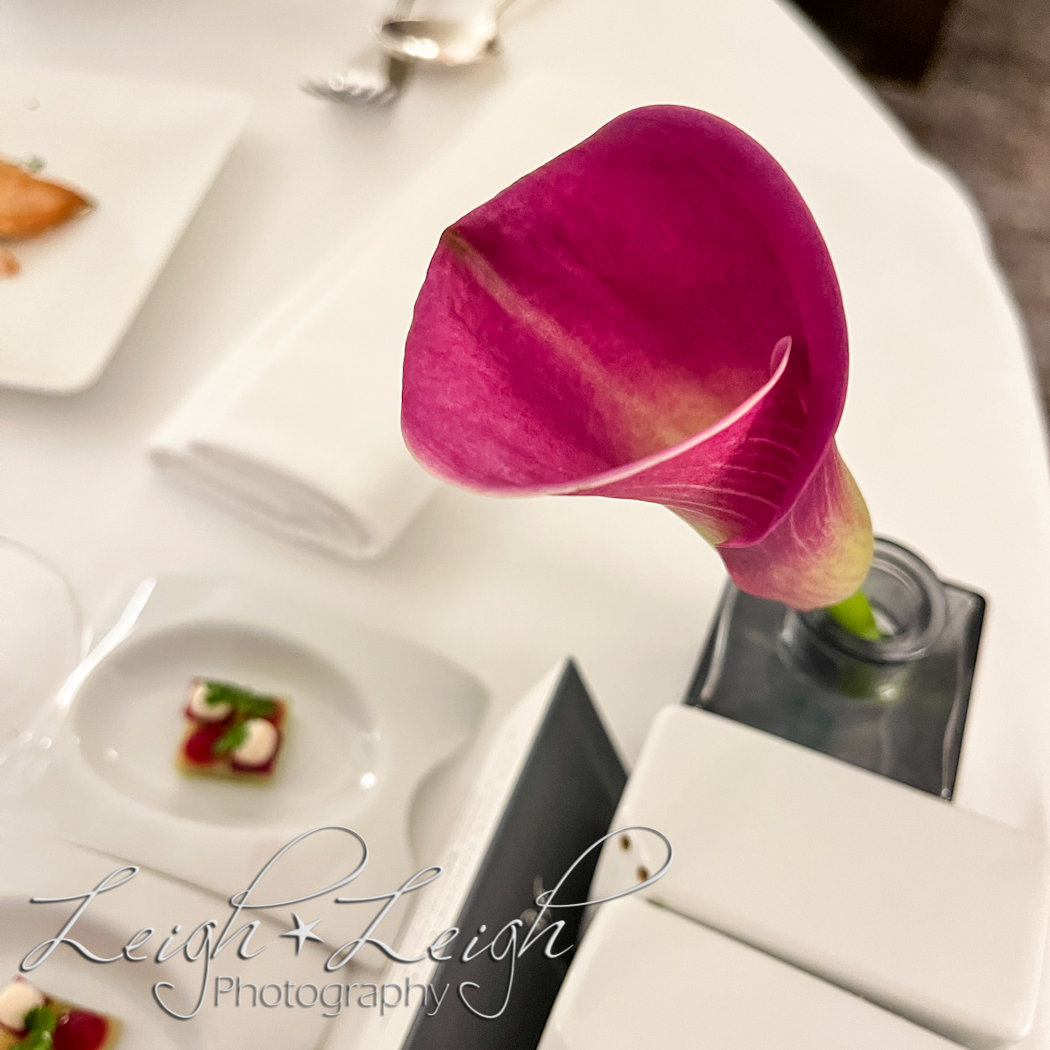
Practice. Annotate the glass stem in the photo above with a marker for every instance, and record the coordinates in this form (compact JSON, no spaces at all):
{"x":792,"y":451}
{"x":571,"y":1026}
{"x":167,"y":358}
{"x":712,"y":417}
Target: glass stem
{"x":854,"y":613}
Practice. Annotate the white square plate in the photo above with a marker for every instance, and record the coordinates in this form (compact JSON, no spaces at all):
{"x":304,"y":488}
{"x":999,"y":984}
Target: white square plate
{"x":917,"y":905}
{"x":36,"y":866}
{"x":372,"y":714}
{"x":645,"y":976}
{"x":146,"y":153}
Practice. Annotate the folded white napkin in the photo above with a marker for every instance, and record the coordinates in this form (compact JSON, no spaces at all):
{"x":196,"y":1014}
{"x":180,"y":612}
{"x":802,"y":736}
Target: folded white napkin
{"x":298,"y":431}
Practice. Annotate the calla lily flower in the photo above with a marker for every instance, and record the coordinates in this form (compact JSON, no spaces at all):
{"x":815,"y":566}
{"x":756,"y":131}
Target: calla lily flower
{"x":652,"y":315}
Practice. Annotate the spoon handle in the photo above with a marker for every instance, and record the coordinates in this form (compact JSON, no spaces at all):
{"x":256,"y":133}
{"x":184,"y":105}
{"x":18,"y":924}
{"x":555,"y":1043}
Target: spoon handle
{"x":498,"y":7}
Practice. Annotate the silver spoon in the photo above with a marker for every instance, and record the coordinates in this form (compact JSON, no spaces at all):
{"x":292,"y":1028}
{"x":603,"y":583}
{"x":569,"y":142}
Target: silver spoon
{"x":448,"y":42}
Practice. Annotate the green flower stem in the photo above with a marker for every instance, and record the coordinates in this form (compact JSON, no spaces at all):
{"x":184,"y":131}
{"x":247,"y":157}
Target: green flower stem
{"x":854,"y":613}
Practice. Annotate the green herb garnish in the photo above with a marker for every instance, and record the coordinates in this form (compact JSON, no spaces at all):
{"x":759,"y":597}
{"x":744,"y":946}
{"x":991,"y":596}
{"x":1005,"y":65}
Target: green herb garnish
{"x":39,"y":1040}
{"x":231,"y":739}
{"x":40,"y":1024}
{"x":246,"y":703}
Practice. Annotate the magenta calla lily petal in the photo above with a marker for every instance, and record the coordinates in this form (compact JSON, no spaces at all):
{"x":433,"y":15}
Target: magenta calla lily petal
{"x":652,"y":315}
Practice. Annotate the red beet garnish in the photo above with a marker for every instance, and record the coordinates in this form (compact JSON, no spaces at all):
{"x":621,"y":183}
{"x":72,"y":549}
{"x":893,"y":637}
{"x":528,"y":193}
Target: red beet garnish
{"x":80,"y":1030}
{"x":199,"y":746}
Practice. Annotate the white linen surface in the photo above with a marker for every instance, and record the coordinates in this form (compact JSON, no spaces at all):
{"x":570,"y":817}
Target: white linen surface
{"x":298,"y":429}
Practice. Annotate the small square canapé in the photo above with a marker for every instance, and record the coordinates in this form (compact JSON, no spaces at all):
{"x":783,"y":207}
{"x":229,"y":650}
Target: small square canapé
{"x":231,"y":731}
{"x":31,"y":1019}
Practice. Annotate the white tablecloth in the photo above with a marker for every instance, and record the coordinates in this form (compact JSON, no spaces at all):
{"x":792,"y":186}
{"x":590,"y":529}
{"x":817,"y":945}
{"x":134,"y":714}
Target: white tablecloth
{"x":941,"y":429}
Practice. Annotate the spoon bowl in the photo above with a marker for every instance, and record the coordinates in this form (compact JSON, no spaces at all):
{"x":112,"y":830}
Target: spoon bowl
{"x":446,"y":42}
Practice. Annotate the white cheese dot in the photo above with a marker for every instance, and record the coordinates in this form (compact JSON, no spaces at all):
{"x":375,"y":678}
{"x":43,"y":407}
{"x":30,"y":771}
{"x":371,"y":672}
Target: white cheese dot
{"x":259,"y":745}
{"x":202,"y":710}
{"x":16,"y":1000}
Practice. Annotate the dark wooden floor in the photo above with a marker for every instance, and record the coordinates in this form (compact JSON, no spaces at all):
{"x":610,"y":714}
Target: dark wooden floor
{"x":983,"y":107}
{"x":973,"y":87}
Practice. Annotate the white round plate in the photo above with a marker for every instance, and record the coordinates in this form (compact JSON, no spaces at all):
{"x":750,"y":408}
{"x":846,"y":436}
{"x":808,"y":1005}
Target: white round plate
{"x":129,"y":720}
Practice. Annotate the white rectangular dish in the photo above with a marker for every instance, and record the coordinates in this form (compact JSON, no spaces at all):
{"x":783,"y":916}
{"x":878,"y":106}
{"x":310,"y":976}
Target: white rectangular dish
{"x":932,"y":912}
{"x":647,"y":977}
{"x":145,"y":152}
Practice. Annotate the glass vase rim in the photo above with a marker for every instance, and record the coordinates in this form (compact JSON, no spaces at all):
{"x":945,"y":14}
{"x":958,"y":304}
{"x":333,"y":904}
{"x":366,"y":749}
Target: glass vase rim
{"x":914,"y":640}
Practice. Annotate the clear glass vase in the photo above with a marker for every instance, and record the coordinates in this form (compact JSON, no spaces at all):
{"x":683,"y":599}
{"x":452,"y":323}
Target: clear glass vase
{"x":896,"y":706}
